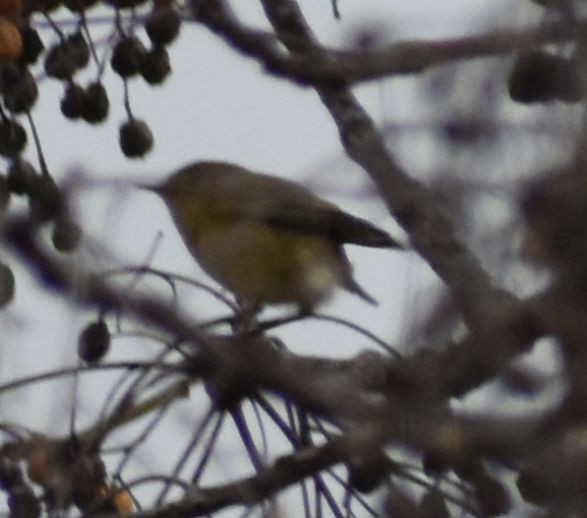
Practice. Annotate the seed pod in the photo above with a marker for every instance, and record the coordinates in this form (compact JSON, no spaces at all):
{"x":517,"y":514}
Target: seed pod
{"x":63,"y":59}
{"x":156,"y":66}
{"x":10,"y":41}
{"x":433,"y":505}
{"x":125,"y":4}
{"x":123,"y":502}
{"x":399,"y":504}
{"x":32,"y":6}
{"x":135,"y":138}
{"x":18,"y":87}
{"x":10,"y":76}
{"x":7,"y":284}
{"x":537,"y":76}
{"x":45,"y":199}
{"x":367,"y":474}
{"x":89,"y":483}
{"x":537,"y":485}
{"x":10,"y":474}
{"x":21,"y":176}
{"x":13,"y":138}
{"x":73,"y":101}
{"x":128,"y":56}
{"x":96,"y":104}
{"x":492,"y":496}
{"x":94,"y":342}
{"x":59,"y":62}
{"x":162,"y":26}
{"x":10,"y":8}
{"x":23,"y":502}
{"x":79,"y":6}
{"x":66,"y":235}
{"x":79,"y":49}
{"x":4,"y":193}
{"x":32,"y":45}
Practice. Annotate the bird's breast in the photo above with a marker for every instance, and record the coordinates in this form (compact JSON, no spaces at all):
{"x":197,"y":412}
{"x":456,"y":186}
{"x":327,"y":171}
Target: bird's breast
{"x":262,"y":265}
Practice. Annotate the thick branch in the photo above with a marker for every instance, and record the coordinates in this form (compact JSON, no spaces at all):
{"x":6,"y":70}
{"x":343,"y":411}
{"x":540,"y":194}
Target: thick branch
{"x":501,"y":326}
{"x":354,"y":66}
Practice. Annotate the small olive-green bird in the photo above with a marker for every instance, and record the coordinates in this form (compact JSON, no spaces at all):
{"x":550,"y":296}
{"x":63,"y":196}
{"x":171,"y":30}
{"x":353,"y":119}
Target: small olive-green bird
{"x":266,"y":239}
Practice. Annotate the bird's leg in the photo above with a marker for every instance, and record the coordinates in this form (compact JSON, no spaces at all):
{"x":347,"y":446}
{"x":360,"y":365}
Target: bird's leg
{"x":246,"y":319}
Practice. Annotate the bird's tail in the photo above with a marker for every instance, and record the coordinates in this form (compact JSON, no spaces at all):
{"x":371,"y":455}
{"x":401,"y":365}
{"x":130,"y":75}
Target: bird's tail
{"x":329,"y":222}
{"x":361,"y":232}
{"x":354,"y":287}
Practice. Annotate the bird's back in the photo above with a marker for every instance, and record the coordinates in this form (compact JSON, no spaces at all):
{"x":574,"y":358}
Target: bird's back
{"x":232,"y":191}
{"x":252,"y":193}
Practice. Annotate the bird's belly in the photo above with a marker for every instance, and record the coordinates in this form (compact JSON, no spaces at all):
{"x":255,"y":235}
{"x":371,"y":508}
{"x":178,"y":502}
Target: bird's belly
{"x":261,"y":265}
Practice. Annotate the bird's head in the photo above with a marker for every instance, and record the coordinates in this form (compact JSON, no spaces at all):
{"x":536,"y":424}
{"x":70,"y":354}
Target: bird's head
{"x":200,"y":179}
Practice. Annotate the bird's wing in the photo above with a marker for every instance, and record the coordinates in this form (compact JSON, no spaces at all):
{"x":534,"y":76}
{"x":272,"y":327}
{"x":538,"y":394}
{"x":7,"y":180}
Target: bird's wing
{"x":283,"y":204}
{"x":328,"y":221}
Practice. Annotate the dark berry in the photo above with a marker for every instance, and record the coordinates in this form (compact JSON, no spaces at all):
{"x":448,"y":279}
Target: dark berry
{"x":537,"y":486}
{"x":10,"y":474}
{"x":162,"y":26}
{"x":492,"y":496}
{"x":4,"y":193}
{"x":7,"y":284}
{"x":45,"y":199}
{"x":128,"y":56}
{"x":78,"y":6}
{"x":398,"y":503}
{"x":125,"y":4}
{"x":18,"y":87}
{"x":94,"y":342}
{"x":537,"y":76}
{"x":72,"y":102}
{"x":21,"y":176}
{"x":434,"y":505}
{"x":79,"y":49}
{"x":59,"y":62}
{"x":66,"y":235}
{"x":13,"y":138}
{"x":368,"y":474}
{"x":156,"y":66}
{"x":10,"y":75}
{"x":31,"y":6}
{"x":135,"y":138}
{"x":23,"y":502}
{"x":96,"y":104}
{"x":32,"y":46}
{"x":64,"y":58}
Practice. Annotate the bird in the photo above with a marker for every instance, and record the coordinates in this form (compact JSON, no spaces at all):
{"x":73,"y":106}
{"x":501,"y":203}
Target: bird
{"x":266,"y":239}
